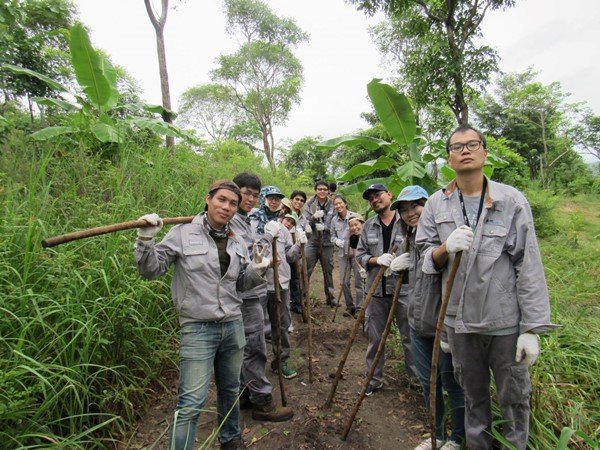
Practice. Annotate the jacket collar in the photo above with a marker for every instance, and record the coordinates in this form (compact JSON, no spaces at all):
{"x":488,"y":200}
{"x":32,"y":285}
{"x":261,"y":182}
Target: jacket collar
{"x":493,"y":195}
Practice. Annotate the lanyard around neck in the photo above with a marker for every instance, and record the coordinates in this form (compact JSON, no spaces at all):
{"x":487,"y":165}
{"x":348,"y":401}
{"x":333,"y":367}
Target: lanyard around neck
{"x":462,"y":204}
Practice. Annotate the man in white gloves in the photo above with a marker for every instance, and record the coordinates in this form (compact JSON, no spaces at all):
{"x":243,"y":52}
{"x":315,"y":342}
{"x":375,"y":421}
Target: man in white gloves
{"x":317,"y":218}
{"x":499,"y":300}
{"x":379,"y":234}
{"x":212,"y":266}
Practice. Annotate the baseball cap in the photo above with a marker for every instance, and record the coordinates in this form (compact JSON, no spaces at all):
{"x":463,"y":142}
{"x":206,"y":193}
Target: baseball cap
{"x":225,"y":184}
{"x":272,"y":190}
{"x":408,"y":194}
{"x":355,"y":216}
{"x":374,"y":188}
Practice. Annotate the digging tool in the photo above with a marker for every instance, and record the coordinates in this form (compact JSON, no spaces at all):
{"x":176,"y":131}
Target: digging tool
{"x":307,"y":308}
{"x":380,"y":348}
{"x":357,"y":325}
{"x":436,"y":346}
{"x":342,"y":283}
{"x":278,"y":320}
{"x":97,"y":231}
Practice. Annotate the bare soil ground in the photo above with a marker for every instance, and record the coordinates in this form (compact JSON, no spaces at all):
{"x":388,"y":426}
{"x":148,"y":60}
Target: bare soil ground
{"x":393,"y":418}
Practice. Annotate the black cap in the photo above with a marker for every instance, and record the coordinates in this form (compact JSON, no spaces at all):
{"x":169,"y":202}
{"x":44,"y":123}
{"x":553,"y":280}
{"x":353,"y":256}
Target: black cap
{"x":374,"y":188}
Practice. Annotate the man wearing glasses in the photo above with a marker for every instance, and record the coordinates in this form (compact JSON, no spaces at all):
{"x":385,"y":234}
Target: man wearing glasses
{"x":499,"y":300}
{"x":380,"y":233}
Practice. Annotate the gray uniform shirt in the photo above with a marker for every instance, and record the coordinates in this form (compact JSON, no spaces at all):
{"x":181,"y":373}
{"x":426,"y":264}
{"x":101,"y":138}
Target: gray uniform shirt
{"x":311,"y":207}
{"x":339,"y":229}
{"x":371,"y":244}
{"x":500,"y":282}
{"x":199,"y":292}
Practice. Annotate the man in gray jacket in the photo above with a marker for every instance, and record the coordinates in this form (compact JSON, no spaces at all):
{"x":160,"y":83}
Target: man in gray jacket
{"x":374,"y":250}
{"x":258,"y":389}
{"x":212,"y":266}
{"x":499,"y":300}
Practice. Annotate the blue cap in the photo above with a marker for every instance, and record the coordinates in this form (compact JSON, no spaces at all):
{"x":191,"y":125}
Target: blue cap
{"x":271,"y":190}
{"x":374,"y":188}
{"x":408,"y":194}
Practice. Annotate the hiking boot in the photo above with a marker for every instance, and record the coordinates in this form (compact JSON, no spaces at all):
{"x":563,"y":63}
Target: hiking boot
{"x":234,"y":444}
{"x":269,"y":412}
{"x":373,"y":387}
{"x":245,"y":399}
{"x":426,"y":444}
{"x":288,"y":372}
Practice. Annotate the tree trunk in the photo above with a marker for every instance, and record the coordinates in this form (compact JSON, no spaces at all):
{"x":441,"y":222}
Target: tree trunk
{"x":159,"y":25}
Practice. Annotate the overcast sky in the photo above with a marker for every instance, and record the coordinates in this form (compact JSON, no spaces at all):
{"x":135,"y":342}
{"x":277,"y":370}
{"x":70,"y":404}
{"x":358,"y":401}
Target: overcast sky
{"x":559,"y":39}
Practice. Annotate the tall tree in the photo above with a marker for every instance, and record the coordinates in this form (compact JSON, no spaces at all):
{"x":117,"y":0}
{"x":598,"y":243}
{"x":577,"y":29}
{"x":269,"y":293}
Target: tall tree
{"x":435,"y":44}
{"x":34,"y":34}
{"x":158,"y":22}
{"x":535,"y":118}
{"x":263,"y":73}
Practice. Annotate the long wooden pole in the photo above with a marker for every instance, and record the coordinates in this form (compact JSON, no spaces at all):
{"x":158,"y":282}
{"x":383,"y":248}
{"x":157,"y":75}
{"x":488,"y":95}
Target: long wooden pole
{"x":97,"y":231}
{"x":357,"y":325}
{"x":308,"y":308}
{"x":277,"y":308}
{"x":436,"y":346}
{"x":381,"y":347}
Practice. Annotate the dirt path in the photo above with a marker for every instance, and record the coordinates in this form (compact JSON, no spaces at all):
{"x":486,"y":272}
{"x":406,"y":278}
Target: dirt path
{"x":393,"y":418}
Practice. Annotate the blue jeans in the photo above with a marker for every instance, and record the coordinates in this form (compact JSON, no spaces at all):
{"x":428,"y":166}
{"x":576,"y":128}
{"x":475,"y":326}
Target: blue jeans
{"x":422,"y":350}
{"x":206,"y":346}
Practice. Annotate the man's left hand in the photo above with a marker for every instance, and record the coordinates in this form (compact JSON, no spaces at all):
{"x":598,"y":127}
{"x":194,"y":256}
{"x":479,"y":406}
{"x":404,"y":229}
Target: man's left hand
{"x":319,"y":227}
{"x":528,"y":348}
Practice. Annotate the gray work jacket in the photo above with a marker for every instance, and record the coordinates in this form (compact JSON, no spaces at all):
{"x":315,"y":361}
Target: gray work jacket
{"x":500,"y":282}
{"x":371,"y":244}
{"x":199,"y":292}
{"x":241,"y":225}
{"x":309,"y":209}
{"x":339,"y":229}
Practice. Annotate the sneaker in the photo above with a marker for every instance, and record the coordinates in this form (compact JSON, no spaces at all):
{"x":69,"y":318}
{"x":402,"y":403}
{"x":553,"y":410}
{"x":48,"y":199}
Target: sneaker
{"x":451,"y":445}
{"x":269,"y":412}
{"x":373,"y":388}
{"x":288,"y":372}
{"x":426,"y":444}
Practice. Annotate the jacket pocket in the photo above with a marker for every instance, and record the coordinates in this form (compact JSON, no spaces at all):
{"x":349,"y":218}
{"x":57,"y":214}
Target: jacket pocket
{"x":493,"y":238}
{"x":195,"y":256}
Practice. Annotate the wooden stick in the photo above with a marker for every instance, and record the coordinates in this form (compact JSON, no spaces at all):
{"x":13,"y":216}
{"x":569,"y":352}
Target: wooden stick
{"x":307,"y":307}
{"x":357,"y":325}
{"x":277,"y":308}
{"x":342,"y":283}
{"x":436,"y":346}
{"x":380,"y":348}
{"x":97,"y":231}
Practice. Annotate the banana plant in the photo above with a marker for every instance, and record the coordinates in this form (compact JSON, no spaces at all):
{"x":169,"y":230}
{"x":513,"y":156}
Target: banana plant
{"x":94,"y":112}
{"x":396,"y":115}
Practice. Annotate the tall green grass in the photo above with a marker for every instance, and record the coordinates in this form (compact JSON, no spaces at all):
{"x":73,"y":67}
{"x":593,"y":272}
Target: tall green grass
{"x":84,"y":341}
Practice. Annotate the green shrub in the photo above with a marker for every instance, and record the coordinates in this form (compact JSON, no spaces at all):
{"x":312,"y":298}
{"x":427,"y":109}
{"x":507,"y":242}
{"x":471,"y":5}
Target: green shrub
{"x":542,"y":205}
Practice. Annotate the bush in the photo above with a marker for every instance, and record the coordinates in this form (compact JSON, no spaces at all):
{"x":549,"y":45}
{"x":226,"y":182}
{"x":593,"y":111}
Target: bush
{"x":542,"y":205}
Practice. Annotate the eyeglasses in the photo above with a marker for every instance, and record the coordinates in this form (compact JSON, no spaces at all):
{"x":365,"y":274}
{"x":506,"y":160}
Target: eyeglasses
{"x":375,"y":196}
{"x":251,"y":194}
{"x":457,"y":147}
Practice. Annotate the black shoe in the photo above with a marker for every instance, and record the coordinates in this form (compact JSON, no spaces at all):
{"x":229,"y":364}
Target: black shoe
{"x":350,"y":311}
{"x":373,"y":387}
{"x":332,"y":303}
{"x":296,"y":309}
{"x":234,"y":444}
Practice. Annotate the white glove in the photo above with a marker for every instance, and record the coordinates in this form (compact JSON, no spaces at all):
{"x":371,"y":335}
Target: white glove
{"x":319,"y":227}
{"x":385,"y":259}
{"x":319,"y":214}
{"x":528,"y":348}
{"x":272,"y":227}
{"x":459,"y":240}
{"x":339,"y":243}
{"x":150,"y":232}
{"x":308,"y":229}
{"x":400,"y":263}
{"x":301,"y":237}
{"x":363,"y":273}
{"x":445,"y":347}
{"x":260,"y":263}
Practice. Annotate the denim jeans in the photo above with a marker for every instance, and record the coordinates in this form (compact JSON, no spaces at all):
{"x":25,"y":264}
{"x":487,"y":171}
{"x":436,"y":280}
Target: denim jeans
{"x":206,"y":346}
{"x":422,"y":350}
